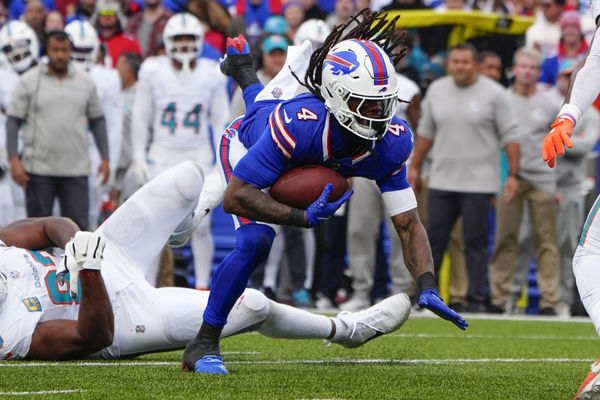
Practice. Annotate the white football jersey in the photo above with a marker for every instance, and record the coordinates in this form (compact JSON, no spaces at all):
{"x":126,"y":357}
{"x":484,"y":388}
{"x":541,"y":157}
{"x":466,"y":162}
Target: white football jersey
{"x":34,"y":296}
{"x":180,"y":109}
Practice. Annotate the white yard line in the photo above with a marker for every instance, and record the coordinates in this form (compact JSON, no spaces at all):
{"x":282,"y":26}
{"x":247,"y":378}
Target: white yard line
{"x":41,"y":392}
{"x":274,"y":362}
{"x":468,"y":336}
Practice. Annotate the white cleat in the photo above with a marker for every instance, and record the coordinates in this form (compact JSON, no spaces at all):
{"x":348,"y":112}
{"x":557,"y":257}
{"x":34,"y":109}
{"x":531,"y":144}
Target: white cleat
{"x":377,"y":320}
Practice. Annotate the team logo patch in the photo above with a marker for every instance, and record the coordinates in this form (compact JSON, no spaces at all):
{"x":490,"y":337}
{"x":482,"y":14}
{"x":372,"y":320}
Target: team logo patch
{"x":32,"y":304}
{"x":342,"y":62}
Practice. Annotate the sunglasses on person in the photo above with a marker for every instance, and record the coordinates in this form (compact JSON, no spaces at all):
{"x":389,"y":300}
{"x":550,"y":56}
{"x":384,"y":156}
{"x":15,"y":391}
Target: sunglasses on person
{"x":107,"y":12}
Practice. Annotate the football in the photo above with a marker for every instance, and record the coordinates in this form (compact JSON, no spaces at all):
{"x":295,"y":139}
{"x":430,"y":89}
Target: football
{"x":302,"y":186}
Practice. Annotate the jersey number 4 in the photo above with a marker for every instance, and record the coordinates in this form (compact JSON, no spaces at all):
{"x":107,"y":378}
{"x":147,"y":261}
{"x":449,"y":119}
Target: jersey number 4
{"x":191,"y":120}
{"x":307,"y":115}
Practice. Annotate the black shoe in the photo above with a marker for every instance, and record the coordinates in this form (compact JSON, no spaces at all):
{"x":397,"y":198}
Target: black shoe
{"x":476,"y":307}
{"x":457,"y":307}
{"x":548,"y":311}
{"x":494,"y":309}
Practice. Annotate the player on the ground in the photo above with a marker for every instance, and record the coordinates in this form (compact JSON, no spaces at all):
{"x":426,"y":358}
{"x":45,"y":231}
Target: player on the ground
{"x":111,"y":311}
{"x":108,"y":85}
{"x":347,"y":123}
{"x":584,"y":88}
{"x":182,"y":100}
{"x":19,"y":51}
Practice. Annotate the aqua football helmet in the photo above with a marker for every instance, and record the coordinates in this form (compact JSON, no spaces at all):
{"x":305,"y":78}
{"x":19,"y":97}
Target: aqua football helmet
{"x":85,"y":43}
{"x":19,"y":45}
{"x":360,"y":88}
{"x":183,"y":24}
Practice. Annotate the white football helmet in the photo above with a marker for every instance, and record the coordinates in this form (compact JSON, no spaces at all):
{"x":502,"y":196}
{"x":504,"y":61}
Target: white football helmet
{"x":314,"y":30}
{"x":85,"y":43}
{"x":19,"y":44}
{"x":183,"y":24}
{"x":358,"y":71}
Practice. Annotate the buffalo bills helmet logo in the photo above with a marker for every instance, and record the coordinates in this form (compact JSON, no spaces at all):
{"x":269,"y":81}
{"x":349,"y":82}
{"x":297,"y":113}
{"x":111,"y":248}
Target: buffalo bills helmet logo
{"x":341,"y":62}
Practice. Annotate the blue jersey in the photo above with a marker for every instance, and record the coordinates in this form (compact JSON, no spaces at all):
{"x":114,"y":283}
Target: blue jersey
{"x":280,"y":136}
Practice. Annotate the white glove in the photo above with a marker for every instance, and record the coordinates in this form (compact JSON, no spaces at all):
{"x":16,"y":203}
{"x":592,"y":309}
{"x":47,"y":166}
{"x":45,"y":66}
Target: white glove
{"x":84,"y":251}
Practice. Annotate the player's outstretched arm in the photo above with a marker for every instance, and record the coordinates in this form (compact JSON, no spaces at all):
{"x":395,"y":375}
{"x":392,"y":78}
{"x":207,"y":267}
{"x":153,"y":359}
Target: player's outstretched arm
{"x":419,"y":261}
{"x":94,"y":329}
{"x":39,"y":233}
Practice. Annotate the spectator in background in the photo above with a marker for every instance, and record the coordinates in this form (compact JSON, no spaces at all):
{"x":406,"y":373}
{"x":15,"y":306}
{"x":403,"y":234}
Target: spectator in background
{"x":109,"y":21}
{"x":54,"y":22}
{"x":128,"y":66}
{"x":147,"y":25}
{"x":54,"y":103}
{"x":18,"y":7}
{"x":535,"y":110}
{"x":344,"y":10}
{"x":216,"y":18}
{"x":544,"y":34}
{"x":294,"y":15}
{"x":490,"y":65}
{"x":34,"y":16}
{"x":466,"y":120}
{"x":251,"y":17}
{"x":312,"y":10}
{"x":84,"y":9}
{"x":572,"y":46}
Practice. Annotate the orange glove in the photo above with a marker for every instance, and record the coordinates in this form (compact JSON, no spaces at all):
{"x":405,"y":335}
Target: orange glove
{"x":558,"y":136}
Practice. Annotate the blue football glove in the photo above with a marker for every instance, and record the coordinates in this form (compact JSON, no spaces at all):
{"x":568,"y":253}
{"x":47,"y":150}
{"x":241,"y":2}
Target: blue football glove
{"x":431,"y":300}
{"x":321,"y":209}
{"x":235,"y":47}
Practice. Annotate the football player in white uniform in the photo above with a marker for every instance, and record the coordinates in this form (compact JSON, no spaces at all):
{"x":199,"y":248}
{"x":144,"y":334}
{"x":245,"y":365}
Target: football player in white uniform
{"x":104,"y":307}
{"x":584,"y":88}
{"x":182,"y":100}
{"x":108,"y":84}
{"x":19,"y":49}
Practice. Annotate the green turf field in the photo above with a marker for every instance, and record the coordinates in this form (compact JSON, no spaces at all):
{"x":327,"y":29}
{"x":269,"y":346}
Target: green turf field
{"x":426,"y":359}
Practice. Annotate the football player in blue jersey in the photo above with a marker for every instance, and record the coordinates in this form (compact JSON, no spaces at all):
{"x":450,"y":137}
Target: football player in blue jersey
{"x":346,"y":122}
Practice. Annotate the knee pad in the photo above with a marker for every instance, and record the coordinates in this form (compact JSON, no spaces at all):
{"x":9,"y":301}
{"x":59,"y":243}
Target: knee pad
{"x":189,"y":180}
{"x":255,"y":304}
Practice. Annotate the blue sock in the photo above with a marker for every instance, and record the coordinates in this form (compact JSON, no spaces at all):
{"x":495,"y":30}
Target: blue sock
{"x":252,"y":246}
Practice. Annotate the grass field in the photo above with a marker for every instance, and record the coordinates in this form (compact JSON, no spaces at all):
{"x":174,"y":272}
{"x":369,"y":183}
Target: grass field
{"x":427,"y":359}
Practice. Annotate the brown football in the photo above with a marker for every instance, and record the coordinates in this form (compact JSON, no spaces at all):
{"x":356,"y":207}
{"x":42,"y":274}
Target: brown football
{"x":302,"y":186}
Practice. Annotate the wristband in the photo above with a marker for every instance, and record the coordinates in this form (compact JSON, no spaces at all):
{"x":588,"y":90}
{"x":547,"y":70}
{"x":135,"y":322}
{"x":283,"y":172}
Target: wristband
{"x":297,"y":217}
{"x":570,"y":111}
{"x":426,"y":281}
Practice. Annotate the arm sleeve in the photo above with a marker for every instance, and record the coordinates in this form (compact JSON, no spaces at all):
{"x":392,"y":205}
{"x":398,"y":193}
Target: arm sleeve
{"x":12,"y":135}
{"x":98,"y":129}
{"x":263,"y":163}
{"x":586,"y":85}
{"x":141,"y":121}
{"x":585,"y":134}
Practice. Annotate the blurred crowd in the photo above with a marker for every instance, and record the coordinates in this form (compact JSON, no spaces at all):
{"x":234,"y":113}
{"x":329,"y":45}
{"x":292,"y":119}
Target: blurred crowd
{"x":478,"y":111}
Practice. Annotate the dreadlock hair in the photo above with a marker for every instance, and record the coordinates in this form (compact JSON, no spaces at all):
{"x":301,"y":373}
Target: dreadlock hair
{"x":371,"y":26}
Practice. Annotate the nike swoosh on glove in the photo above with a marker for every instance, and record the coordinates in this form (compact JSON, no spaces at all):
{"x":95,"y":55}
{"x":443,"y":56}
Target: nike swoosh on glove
{"x":321,"y":209}
{"x":431,"y":300}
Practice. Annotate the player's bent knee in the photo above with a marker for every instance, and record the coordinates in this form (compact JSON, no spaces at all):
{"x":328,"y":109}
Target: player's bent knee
{"x":189,"y":180}
{"x":256,"y":303}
